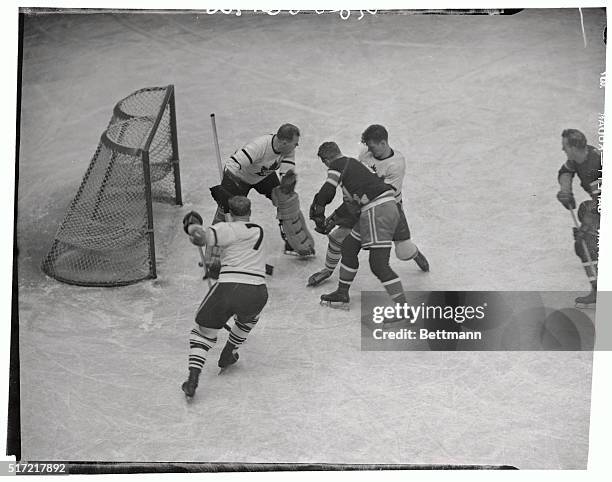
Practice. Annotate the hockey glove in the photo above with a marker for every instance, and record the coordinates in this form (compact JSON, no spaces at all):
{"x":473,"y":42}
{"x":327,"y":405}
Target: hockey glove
{"x":316,"y":212}
{"x":567,"y":199}
{"x":221,"y":197}
{"x":326,"y":226}
{"x":192,"y":217}
{"x":287,"y":182}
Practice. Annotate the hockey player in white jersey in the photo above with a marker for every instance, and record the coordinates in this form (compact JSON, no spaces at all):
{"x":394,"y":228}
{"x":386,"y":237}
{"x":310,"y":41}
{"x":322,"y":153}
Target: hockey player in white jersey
{"x":254,"y":166}
{"x":240,"y":291}
{"x":390,"y":165}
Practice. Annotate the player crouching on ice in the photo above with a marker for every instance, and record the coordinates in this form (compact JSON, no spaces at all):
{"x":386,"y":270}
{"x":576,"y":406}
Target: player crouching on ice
{"x":254,"y":166}
{"x":585,"y":161}
{"x":240,"y":292}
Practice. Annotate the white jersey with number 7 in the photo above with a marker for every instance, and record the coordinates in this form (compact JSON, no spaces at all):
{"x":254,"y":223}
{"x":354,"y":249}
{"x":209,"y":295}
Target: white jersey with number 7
{"x":242,"y":252}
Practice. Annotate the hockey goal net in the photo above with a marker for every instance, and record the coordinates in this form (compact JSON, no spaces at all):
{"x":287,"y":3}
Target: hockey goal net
{"x":107,"y":236}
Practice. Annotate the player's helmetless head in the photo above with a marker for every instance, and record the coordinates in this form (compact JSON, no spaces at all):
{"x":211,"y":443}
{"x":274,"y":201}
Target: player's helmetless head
{"x":287,"y":138}
{"x":376,"y":138}
{"x":239,"y":207}
{"x":573,"y":143}
{"x":328,"y":151}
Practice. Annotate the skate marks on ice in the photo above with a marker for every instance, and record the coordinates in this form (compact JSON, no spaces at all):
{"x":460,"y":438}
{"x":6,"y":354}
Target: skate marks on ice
{"x":102,"y":369}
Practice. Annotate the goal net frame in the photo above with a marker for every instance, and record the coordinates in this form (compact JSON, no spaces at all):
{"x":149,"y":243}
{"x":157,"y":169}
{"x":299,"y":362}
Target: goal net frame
{"x":107,"y":236}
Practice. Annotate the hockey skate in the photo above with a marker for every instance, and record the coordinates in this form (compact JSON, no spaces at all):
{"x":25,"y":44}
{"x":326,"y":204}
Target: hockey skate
{"x":337,"y":300}
{"x":228,"y":357}
{"x":320,"y":276}
{"x":587,"y":301}
{"x":289,"y":251}
{"x":190,"y":385}
{"x":421,"y":262}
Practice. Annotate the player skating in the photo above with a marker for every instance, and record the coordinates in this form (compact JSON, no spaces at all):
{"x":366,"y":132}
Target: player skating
{"x":240,"y":291}
{"x":377,"y":226}
{"x":584,"y":161}
{"x":389,"y":165}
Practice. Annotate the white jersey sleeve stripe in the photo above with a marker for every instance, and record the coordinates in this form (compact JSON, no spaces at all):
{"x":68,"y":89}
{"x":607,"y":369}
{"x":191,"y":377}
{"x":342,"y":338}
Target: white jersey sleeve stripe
{"x":248,"y":156}
{"x":214,"y":231}
{"x":236,"y":161}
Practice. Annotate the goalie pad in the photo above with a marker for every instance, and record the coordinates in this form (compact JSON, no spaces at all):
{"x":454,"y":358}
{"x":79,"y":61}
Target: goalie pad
{"x":292,"y":220}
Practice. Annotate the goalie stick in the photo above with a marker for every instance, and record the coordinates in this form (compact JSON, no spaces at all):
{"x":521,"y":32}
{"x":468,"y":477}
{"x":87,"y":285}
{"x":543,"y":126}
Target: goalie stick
{"x":213,"y":122}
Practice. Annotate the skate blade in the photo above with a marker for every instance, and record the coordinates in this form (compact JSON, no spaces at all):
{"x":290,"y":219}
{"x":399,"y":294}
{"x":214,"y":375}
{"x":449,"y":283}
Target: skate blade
{"x":316,"y":283}
{"x":225,"y":369}
{"x":336,"y":305}
{"x":188,"y":398}
{"x":297,"y":255}
{"x":586,"y":306}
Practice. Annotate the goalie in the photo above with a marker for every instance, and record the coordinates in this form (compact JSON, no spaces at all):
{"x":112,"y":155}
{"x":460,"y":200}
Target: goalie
{"x":254,"y":166}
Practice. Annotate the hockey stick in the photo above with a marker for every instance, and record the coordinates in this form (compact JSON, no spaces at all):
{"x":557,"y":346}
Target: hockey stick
{"x":216,"y":140}
{"x":584,"y":245}
{"x":269,"y":267}
{"x":202,"y":263}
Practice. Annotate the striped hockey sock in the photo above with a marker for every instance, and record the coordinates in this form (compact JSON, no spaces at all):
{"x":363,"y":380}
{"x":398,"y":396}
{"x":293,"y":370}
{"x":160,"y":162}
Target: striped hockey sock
{"x":333,"y":255}
{"x":347,"y":275}
{"x":241,"y":330}
{"x":395,"y":289}
{"x":199,"y":346}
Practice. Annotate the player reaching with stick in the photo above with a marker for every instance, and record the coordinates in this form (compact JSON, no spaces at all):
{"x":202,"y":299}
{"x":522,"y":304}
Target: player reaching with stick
{"x":240,"y":291}
{"x":584,"y":161}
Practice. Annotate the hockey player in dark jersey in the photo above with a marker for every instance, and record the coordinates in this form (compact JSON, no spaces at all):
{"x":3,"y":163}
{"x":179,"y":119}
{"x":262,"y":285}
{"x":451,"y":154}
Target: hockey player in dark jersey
{"x":390,"y":166}
{"x":377,"y":224}
{"x":584,"y":161}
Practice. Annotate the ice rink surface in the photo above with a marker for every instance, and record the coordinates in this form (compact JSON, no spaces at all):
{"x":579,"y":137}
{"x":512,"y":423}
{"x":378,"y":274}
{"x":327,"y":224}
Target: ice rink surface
{"x":475,"y":103}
